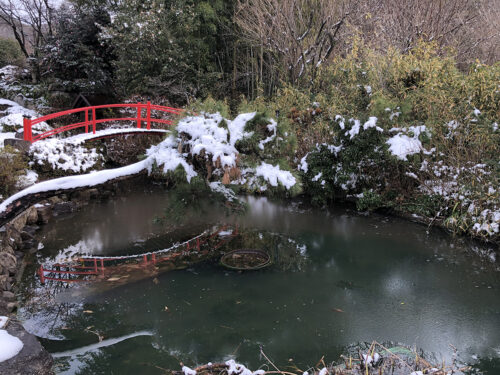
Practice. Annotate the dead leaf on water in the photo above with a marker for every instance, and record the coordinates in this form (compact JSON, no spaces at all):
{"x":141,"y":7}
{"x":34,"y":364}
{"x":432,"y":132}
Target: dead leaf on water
{"x":113,"y":279}
{"x":156,"y":281}
{"x":88,"y":312}
{"x":166,"y":309}
{"x":338,"y":310}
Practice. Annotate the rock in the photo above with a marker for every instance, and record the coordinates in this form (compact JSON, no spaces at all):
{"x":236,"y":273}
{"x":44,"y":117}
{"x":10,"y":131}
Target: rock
{"x":44,"y":214}
{"x":54,"y":200}
{"x":31,"y":216}
{"x":31,"y":245}
{"x":8,"y":262}
{"x":18,"y":144}
{"x":32,"y":359}
{"x":7,"y":249}
{"x":63,"y":208}
{"x":12,"y":306}
{"x":31,"y":229}
{"x":3,"y":307}
{"x":20,"y":220}
{"x":4,"y":282}
{"x":94,"y":193}
{"x":25,"y":236}
{"x":10,"y":239}
{"x":9,"y":296}
{"x":81,"y":197}
{"x":20,"y":99}
{"x":28,"y":216}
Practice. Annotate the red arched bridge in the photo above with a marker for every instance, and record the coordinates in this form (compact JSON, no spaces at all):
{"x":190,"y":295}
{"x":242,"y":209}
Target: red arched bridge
{"x":81,"y":269}
{"x":91,"y":121}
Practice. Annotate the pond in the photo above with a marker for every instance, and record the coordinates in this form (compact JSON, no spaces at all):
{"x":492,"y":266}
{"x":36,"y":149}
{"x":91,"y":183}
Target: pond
{"x":337,"y":279}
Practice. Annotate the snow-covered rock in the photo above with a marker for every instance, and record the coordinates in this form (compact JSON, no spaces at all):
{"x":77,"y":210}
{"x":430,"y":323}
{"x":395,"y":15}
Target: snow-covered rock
{"x":10,"y":346}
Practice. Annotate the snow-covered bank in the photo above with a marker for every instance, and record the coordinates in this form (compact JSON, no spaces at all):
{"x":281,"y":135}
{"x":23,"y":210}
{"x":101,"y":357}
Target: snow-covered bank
{"x":206,"y":139}
{"x":73,"y":182}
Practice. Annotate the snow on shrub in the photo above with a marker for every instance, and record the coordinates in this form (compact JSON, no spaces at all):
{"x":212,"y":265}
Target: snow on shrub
{"x":167,"y":158}
{"x":275,"y":176}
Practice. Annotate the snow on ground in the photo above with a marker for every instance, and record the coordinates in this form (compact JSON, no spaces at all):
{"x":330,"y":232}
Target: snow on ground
{"x":10,"y":346}
{"x":14,"y":114}
{"x":4,"y":136}
{"x":28,"y":179}
{"x":71,"y":182}
{"x":81,"y":138}
{"x":68,"y":154}
{"x":65,"y":156}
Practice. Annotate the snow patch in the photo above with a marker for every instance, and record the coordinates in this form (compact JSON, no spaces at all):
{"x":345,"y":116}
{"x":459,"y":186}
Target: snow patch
{"x":274,"y":175}
{"x":166,"y":156}
{"x":62,"y":155}
{"x":401,"y":146}
{"x":10,"y":346}
{"x":188,"y":371}
{"x":26,"y":180}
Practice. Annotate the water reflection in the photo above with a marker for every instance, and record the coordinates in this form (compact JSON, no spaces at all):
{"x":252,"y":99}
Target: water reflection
{"x":338,"y":278}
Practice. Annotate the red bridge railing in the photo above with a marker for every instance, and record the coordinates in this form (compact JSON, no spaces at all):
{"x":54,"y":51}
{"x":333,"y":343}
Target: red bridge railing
{"x":91,"y":120}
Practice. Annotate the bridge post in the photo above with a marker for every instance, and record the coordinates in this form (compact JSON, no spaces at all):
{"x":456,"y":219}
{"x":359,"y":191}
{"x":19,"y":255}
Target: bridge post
{"x":27,"y":129}
{"x":148,"y":114}
{"x":93,"y":120}
{"x":86,"y":121}
{"x":139,"y":114}
{"x":153,"y":258}
{"x":145,"y":259}
{"x":42,"y":276}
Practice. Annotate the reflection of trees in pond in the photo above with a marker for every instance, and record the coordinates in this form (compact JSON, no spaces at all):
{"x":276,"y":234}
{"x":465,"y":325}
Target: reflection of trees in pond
{"x":286,"y":253}
{"x":188,"y":202}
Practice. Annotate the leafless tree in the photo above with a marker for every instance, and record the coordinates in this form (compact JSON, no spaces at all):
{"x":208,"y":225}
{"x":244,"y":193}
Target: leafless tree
{"x":300,"y":35}
{"x":487,"y":32}
{"x":31,"y":23}
{"x":464,"y":25}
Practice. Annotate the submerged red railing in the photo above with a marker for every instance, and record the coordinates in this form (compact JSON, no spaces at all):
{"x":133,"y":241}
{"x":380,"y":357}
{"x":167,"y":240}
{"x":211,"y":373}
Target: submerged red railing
{"x":91,"y":266}
{"x":92,"y":121}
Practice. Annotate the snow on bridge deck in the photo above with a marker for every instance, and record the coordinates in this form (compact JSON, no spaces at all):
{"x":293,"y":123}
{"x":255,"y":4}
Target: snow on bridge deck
{"x":84,"y":137}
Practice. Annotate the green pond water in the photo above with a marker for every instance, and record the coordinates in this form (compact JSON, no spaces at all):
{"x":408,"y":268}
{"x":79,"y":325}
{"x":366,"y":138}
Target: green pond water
{"x":337,"y":279}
